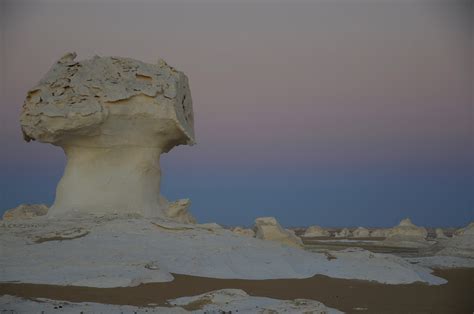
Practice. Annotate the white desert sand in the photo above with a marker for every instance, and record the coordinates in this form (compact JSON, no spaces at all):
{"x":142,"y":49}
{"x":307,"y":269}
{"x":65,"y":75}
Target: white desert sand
{"x":112,"y":251}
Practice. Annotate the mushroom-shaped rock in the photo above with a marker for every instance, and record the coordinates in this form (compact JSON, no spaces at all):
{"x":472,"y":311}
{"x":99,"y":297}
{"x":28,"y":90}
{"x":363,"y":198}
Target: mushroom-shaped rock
{"x":379,"y":233}
{"x":25,"y":211}
{"x":316,"y":231}
{"x":243,"y":232}
{"x":361,"y":232}
{"x":406,"y":229}
{"x":344,"y":233}
{"x":440,"y":234}
{"x":268,"y":228}
{"x":113,"y":117}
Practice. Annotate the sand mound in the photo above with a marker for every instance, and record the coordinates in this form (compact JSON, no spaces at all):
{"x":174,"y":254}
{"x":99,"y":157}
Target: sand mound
{"x":316,"y":231}
{"x":25,"y":211}
{"x":268,"y":228}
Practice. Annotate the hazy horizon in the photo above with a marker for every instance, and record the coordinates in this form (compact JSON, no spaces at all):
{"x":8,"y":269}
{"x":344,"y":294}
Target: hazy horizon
{"x":333,"y":113}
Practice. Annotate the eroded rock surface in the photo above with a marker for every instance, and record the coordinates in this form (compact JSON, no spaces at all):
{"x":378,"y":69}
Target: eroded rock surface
{"x":25,"y":211}
{"x":243,"y":231}
{"x":179,"y":211}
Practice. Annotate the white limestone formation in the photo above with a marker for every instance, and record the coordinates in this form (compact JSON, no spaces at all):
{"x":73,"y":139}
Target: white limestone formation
{"x":379,"y":233}
{"x":268,"y":228}
{"x":361,"y":232}
{"x":461,"y":231}
{"x":113,"y":117}
{"x":244,"y":232}
{"x":461,"y":245}
{"x":344,"y":233}
{"x":406,"y":229}
{"x":316,"y":231}
{"x":25,"y":211}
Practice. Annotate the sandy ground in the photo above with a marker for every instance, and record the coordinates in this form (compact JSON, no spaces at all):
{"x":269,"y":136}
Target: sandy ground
{"x":343,"y":294}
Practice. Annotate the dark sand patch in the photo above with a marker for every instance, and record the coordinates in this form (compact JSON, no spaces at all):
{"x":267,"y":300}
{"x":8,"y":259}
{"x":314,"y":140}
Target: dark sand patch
{"x":347,"y":295}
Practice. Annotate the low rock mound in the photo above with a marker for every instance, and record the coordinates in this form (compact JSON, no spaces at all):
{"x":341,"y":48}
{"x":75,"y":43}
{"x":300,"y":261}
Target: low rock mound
{"x":361,"y":232}
{"x":268,"y":228}
{"x":26,"y":211}
{"x":316,"y":231}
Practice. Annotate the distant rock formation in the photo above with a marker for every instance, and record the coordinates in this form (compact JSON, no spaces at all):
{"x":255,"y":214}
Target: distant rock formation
{"x":440,"y":234}
{"x":244,"y":232}
{"x":316,"y":231}
{"x":460,"y":245}
{"x":113,"y":117}
{"x":26,"y":211}
{"x":461,"y":231}
{"x":344,"y":233}
{"x":361,"y":232}
{"x":406,"y":229}
{"x":379,"y":233}
{"x":268,"y":228}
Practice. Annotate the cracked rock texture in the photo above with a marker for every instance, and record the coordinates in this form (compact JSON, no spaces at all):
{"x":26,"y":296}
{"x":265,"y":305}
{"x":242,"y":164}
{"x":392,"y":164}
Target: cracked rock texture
{"x":113,"y":117}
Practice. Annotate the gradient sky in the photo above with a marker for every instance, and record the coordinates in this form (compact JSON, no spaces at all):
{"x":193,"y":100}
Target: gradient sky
{"x":325,"y":112}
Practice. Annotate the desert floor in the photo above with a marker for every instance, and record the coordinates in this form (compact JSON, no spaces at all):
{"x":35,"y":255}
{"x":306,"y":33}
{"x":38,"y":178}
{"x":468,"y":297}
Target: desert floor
{"x":343,"y":294}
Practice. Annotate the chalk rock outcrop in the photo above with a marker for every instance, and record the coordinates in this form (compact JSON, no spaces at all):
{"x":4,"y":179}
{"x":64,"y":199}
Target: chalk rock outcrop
{"x":268,"y":228}
{"x":379,"y":233}
{"x":460,"y":245}
{"x":316,"y":231}
{"x":361,"y":232}
{"x":113,"y":117}
{"x":178,"y":211}
{"x":25,"y":211}
{"x":469,"y":228}
{"x":406,"y":229}
{"x":243,"y":232}
{"x":440,"y":234}
{"x":344,"y":233}
{"x":236,"y":300}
